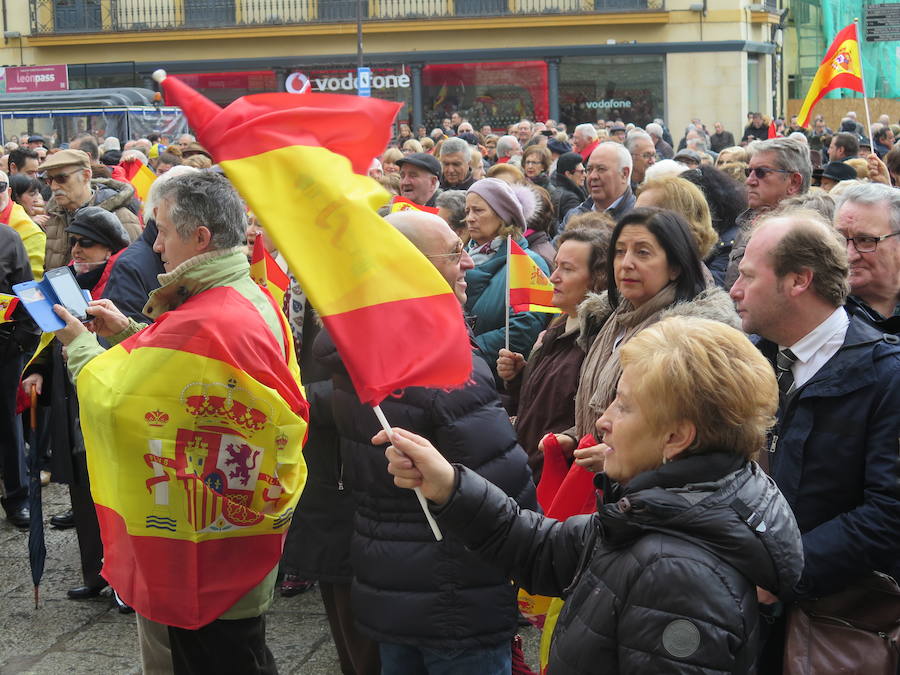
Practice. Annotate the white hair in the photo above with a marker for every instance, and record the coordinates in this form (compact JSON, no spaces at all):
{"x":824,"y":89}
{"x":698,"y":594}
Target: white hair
{"x":133,"y":154}
{"x":665,"y":168}
{"x":654,"y":129}
{"x":507,"y":145}
{"x":799,"y":136}
{"x":150,"y":202}
{"x":634,"y":136}
{"x":588,"y":130}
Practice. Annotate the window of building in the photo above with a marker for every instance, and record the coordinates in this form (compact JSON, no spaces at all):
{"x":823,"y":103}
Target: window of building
{"x":631,"y":88}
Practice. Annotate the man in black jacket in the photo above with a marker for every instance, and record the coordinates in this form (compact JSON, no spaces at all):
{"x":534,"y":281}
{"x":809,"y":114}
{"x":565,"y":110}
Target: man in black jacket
{"x":430,"y":605}
{"x":15,"y":337}
{"x":569,"y":181}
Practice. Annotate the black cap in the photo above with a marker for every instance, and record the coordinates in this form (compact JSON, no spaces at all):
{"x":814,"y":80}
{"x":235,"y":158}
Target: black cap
{"x":422,"y":160}
{"x":838,"y":171}
{"x":95,"y":222}
{"x":559,"y":147}
{"x":568,"y":161}
{"x":36,"y":139}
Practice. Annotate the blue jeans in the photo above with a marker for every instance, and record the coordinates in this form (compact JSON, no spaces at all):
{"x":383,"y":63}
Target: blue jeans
{"x":412,"y":660}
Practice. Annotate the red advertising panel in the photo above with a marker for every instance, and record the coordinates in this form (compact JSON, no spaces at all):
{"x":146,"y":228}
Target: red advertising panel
{"x":23,"y":79}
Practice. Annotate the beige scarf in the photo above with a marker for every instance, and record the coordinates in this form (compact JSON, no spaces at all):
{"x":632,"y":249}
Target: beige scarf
{"x":600,"y":370}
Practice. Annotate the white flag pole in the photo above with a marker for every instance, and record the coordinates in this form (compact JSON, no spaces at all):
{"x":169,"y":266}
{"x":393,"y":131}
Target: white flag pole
{"x":862,"y":76}
{"x":508,"y":257}
{"x":435,"y":530}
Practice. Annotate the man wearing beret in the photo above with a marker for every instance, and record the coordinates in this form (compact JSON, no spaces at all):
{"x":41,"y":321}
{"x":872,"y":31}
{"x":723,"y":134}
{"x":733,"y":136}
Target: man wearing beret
{"x":420,"y":176}
{"x":68,"y":173}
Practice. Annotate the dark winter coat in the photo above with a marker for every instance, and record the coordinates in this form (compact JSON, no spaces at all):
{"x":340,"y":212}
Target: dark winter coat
{"x":567,"y":197}
{"x":623,"y":207}
{"x":544,"y":393}
{"x":663,"y":580}
{"x":318,"y":543}
{"x":407,"y":587}
{"x":134,"y":275}
{"x":834,"y":456}
{"x":884,"y":324}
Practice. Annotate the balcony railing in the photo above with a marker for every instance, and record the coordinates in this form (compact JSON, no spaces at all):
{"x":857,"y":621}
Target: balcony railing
{"x":49,"y":17}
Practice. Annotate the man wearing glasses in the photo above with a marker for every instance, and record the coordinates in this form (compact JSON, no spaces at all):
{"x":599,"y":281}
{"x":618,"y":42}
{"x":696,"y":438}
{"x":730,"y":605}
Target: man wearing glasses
{"x":868,"y":217}
{"x":643,"y":155}
{"x":779,"y":168}
{"x":68,"y":173}
{"x":833,"y":450}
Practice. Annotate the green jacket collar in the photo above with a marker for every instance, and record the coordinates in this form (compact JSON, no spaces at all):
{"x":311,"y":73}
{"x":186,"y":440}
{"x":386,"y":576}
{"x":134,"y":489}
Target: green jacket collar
{"x":195,"y":275}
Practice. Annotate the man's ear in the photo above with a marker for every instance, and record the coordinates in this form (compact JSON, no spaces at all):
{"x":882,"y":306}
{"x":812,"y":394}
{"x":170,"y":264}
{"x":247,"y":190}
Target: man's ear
{"x":203,"y":238}
{"x":799,"y":282}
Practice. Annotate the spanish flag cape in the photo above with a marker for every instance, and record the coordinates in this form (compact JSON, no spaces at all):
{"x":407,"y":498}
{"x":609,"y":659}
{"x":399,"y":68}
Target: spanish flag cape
{"x":840,"y":69}
{"x":194,"y":428}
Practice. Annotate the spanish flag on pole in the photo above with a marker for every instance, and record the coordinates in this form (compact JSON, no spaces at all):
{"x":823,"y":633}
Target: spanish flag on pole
{"x":840,"y":69}
{"x":140,"y":177}
{"x":529,"y":288}
{"x":299,"y":161}
{"x":266,"y":272}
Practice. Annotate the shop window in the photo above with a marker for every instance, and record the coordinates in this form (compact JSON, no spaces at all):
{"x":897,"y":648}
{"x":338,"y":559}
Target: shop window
{"x":630,"y":88}
{"x":498,"y":94}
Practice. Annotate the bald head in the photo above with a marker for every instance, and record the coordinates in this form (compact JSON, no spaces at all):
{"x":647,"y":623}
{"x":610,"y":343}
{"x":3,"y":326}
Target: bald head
{"x":433,"y":237}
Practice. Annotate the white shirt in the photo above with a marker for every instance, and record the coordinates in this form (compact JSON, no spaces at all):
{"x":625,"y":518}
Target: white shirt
{"x":817,"y":347}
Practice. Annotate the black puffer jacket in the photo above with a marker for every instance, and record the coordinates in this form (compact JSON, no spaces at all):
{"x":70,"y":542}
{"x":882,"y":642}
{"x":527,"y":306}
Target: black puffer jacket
{"x":407,"y":587}
{"x":662,"y":580}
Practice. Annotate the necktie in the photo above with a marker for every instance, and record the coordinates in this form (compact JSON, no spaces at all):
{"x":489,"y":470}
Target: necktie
{"x":783,"y":362}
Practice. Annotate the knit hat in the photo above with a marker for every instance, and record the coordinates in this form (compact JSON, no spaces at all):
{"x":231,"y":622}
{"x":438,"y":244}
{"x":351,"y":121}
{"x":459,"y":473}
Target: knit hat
{"x":95,"y":222}
{"x":514,"y":204}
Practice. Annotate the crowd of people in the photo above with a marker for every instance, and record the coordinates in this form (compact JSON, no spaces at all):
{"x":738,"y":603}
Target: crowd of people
{"x":720,"y":389}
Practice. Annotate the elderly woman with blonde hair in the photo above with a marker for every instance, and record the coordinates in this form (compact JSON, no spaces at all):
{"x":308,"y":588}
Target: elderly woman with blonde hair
{"x":663,"y":576}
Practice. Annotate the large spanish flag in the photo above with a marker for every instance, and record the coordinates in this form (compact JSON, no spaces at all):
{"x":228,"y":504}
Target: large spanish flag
{"x":529,"y":288}
{"x":194,"y":429}
{"x":840,"y":69}
{"x":299,"y":161}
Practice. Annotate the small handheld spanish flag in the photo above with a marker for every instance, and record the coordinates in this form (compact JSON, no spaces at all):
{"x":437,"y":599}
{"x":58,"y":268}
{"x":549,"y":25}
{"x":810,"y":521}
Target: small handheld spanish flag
{"x":266,"y":272}
{"x":529,"y":288}
{"x":8,"y":305}
{"x":403,"y":204}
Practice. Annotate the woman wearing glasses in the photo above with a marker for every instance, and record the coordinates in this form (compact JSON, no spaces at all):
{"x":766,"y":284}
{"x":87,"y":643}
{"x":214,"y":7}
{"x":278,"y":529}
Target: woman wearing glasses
{"x":96,"y":237}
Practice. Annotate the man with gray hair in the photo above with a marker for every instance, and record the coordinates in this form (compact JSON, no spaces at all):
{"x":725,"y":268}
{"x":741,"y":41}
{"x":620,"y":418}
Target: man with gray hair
{"x":455,"y":156}
{"x":868,"y":218}
{"x":779,"y":168}
{"x":507,"y":148}
{"x":643,"y":155}
{"x":202,"y":610}
{"x":608,"y":175}
{"x":584,"y":140}
{"x":663,"y":149}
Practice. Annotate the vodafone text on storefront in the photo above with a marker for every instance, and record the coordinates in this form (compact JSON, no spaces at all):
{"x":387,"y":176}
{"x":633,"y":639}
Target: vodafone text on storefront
{"x":322,"y":81}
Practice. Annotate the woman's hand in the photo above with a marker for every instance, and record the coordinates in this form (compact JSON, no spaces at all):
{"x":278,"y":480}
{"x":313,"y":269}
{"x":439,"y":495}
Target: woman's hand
{"x":107,"y":319}
{"x":415,"y":463}
{"x":40,"y":219}
{"x":34,"y":381}
{"x":566,"y":444}
{"x":509,"y":364}
{"x":591,"y":457}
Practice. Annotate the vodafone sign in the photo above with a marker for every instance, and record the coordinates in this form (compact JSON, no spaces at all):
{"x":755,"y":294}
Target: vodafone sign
{"x":345,"y":81}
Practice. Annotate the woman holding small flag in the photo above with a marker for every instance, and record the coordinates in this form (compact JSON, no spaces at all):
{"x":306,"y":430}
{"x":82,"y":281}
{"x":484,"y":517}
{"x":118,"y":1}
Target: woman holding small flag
{"x":543,"y":389}
{"x":654,"y":271}
{"x":495,"y":210}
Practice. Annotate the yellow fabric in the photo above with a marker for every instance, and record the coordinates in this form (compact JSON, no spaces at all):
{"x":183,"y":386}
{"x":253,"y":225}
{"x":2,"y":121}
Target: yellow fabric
{"x":556,"y":605}
{"x":168,"y":432}
{"x":7,"y":301}
{"x":142,"y":180}
{"x":345,"y":245}
{"x":845,"y":61}
{"x":32,"y":236}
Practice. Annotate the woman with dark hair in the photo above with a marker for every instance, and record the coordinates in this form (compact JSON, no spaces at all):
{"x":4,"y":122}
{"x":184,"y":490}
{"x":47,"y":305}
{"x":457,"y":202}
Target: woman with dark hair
{"x":727,"y":199}
{"x":26,"y":215}
{"x":653,"y":271}
{"x":543,"y":389}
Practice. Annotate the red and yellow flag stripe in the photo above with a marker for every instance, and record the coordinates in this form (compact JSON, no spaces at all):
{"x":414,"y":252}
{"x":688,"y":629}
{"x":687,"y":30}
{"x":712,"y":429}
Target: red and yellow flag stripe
{"x":529,"y":288}
{"x":840,"y":69}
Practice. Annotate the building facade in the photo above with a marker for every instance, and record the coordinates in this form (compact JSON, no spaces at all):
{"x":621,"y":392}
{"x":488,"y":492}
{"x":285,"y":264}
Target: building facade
{"x":494,"y":61}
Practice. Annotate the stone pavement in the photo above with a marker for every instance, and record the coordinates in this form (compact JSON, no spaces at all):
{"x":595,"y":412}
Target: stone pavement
{"x":69,"y":637}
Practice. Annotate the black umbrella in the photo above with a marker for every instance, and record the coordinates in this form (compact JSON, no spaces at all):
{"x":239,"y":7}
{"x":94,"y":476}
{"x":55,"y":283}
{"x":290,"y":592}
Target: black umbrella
{"x":37,"y":549}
